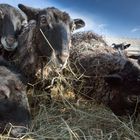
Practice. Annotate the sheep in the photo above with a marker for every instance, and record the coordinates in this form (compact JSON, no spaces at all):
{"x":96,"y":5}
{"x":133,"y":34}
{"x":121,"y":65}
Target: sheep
{"x":121,"y":46}
{"x":103,"y":74}
{"x":46,"y":40}
{"x":11,"y":23}
{"x":14,"y":106}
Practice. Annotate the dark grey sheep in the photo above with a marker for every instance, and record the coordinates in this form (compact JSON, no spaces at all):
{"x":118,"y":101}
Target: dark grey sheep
{"x":11,"y":23}
{"x":14,"y":107}
{"x":46,"y":40}
{"x":103,"y":75}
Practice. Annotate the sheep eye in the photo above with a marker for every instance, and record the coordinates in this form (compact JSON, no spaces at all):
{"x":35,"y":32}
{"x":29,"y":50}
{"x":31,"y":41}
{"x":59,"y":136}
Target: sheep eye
{"x":2,"y":95}
{"x":43,"y":19}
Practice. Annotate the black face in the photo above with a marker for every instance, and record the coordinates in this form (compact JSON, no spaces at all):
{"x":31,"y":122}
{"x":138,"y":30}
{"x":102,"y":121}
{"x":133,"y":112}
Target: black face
{"x":57,"y":31}
{"x":54,"y":32}
{"x":126,"y":79}
{"x":131,"y":78}
{"x":127,"y":82}
{"x":13,"y":113}
{"x":10,"y":24}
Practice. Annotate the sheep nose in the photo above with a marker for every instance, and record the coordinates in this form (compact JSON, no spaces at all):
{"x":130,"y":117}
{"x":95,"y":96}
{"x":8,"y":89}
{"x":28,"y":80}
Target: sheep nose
{"x":63,"y":57}
{"x":18,"y":131}
{"x":10,"y":40}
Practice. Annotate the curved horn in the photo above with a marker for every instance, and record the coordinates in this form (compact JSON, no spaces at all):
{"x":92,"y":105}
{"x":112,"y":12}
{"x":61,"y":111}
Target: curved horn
{"x":29,"y":11}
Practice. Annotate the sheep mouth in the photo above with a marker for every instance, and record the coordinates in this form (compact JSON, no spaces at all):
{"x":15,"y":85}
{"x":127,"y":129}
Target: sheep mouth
{"x":8,"y":47}
{"x":61,"y":64}
{"x":56,"y":63}
{"x":58,"y":67}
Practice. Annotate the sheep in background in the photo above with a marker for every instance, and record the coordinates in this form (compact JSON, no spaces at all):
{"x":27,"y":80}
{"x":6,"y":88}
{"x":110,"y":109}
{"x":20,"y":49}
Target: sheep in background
{"x":121,"y":46}
{"x":103,"y":75}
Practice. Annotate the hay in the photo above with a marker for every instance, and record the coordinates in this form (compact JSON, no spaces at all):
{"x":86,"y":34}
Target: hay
{"x":87,"y":39}
{"x":75,"y":118}
{"x":71,"y":117}
{"x":91,"y":63}
{"x":65,"y":120}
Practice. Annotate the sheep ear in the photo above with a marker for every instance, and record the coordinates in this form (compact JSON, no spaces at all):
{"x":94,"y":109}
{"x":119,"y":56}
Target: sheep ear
{"x":31,"y":13}
{"x":127,"y":46}
{"x":1,"y":14}
{"x":78,"y":23}
{"x":113,"y":79}
{"x":5,"y":92}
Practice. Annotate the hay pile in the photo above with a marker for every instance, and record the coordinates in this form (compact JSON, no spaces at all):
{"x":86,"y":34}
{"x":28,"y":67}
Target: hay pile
{"x":87,"y":39}
{"x":70,"y":117}
{"x":68,"y":120}
{"x":91,"y":67}
{"x":65,"y":120}
{"x":91,"y":64}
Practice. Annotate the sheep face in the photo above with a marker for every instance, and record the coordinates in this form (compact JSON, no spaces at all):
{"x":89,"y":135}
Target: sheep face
{"x":127,"y":79}
{"x":55,"y":35}
{"x":14,"y":108}
{"x":11,"y":22}
{"x":127,"y":82}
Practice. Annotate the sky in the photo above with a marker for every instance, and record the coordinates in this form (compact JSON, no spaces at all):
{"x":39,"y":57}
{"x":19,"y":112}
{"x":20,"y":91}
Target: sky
{"x":117,"y":18}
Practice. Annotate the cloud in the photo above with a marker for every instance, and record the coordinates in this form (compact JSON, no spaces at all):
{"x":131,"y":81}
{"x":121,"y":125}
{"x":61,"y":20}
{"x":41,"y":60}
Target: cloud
{"x":137,"y":29}
{"x":102,"y":28}
{"x":91,"y":23}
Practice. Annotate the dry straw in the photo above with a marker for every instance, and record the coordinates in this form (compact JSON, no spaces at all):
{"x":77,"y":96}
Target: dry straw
{"x":71,"y":117}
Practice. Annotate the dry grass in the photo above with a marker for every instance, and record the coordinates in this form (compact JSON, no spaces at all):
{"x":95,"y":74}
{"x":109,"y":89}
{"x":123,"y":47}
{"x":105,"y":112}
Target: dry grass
{"x":68,"y":118}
